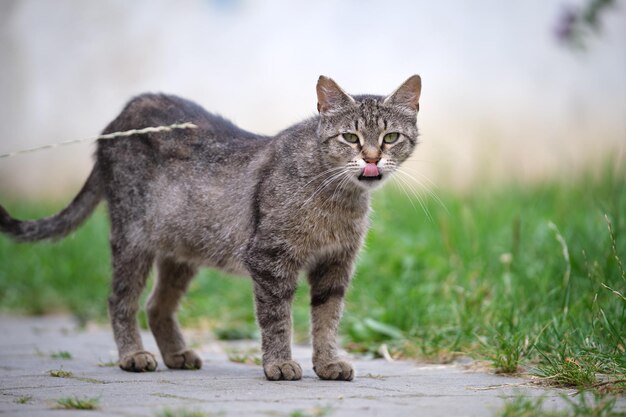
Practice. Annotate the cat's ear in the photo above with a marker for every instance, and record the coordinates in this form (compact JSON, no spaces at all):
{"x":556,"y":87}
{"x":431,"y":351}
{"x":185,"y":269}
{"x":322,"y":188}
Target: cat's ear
{"x":330,"y":96}
{"x":408,"y":94}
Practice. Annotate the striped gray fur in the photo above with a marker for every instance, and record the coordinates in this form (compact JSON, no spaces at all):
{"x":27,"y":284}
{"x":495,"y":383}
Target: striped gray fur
{"x":219,"y":196}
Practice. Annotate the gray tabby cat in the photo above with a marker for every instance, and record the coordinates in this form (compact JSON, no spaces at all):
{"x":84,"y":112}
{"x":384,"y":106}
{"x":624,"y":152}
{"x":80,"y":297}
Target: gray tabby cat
{"x":219,"y":196}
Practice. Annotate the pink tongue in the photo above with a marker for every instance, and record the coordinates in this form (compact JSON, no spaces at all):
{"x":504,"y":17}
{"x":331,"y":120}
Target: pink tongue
{"x":370,"y":170}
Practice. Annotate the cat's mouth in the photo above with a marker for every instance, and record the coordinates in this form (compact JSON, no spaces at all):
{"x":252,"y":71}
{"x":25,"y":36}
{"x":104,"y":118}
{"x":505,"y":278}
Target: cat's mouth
{"x":370,"y":178}
{"x":370,"y":173}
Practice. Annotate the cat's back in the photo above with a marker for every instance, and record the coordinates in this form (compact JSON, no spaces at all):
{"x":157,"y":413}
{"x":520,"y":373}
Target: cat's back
{"x":213,"y":139}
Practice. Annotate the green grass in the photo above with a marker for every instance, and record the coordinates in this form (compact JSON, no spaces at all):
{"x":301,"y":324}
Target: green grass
{"x":61,"y":354}
{"x":183,"y":413}
{"x":75,"y":403}
{"x":314,"y":412}
{"x":248,"y":357}
{"x":59,"y":373}
{"x":24,"y":399}
{"x":529,"y":277}
{"x":591,"y":405}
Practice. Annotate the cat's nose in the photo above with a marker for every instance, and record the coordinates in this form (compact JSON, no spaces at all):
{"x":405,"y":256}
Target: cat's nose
{"x":370,"y":155}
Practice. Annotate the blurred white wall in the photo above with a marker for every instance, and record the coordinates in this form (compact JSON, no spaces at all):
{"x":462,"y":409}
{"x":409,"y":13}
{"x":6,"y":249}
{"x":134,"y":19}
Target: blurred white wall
{"x":502,"y":99}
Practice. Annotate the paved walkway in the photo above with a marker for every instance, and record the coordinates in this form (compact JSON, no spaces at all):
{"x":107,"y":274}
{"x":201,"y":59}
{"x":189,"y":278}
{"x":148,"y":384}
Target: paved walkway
{"x":30,"y":348}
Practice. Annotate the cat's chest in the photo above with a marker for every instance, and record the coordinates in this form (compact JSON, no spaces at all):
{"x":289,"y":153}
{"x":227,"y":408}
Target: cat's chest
{"x":327,"y":230}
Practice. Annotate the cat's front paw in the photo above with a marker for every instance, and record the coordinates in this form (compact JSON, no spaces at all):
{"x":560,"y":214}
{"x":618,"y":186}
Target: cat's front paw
{"x":336,"y":370}
{"x":140,"y":361}
{"x":288,"y":371}
{"x":187,"y":359}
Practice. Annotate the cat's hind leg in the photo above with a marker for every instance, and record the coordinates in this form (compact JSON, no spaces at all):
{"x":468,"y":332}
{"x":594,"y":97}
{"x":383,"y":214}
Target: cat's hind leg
{"x":172,"y":281}
{"x":131,"y":267}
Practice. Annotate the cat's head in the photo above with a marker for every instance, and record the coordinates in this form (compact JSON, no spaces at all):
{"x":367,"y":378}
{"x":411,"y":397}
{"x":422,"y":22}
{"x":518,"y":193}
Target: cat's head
{"x":368,"y":136}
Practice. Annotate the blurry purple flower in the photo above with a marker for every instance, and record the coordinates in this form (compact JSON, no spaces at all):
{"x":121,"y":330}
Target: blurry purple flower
{"x":566,"y":25}
{"x":576,"y":24}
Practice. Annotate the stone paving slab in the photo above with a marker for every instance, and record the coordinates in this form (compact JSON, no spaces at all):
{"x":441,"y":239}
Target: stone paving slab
{"x":225,"y":388}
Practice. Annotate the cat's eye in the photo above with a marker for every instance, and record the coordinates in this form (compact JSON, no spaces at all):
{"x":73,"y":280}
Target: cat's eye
{"x":391,"y":137}
{"x":350,"y":137}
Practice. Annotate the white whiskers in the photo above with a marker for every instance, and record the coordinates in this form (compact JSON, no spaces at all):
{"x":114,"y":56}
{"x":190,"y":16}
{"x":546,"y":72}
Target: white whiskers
{"x":345,"y":180}
{"x":406,"y":182}
{"x":429,"y":188}
{"x":326,"y":182}
{"x":323,"y":173}
{"x":419,"y":198}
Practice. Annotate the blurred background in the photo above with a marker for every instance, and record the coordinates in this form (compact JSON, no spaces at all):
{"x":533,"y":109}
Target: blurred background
{"x":504,"y":98}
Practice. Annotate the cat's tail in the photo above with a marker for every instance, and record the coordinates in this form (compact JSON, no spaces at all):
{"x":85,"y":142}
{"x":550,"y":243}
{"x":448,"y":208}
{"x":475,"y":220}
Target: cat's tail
{"x":62,"y":223}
